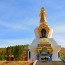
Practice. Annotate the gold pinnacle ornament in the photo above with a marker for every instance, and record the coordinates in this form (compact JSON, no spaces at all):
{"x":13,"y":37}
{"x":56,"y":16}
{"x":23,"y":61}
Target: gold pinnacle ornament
{"x":42,"y":15}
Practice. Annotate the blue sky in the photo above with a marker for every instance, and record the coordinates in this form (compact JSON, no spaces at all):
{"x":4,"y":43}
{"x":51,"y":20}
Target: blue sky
{"x":19,"y":18}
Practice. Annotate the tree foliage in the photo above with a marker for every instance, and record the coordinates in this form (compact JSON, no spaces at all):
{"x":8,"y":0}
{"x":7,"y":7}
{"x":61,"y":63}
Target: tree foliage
{"x":17,"y":51}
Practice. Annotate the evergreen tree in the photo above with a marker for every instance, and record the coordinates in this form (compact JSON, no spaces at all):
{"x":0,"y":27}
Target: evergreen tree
{"x":18,"y":50}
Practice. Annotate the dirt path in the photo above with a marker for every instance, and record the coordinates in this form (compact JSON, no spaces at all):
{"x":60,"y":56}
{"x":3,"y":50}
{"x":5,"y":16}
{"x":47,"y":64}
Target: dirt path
{"x":15,"y":62}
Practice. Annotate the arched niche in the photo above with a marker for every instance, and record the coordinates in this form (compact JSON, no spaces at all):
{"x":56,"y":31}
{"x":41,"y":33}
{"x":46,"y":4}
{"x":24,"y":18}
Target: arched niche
{"x":43,"y":31}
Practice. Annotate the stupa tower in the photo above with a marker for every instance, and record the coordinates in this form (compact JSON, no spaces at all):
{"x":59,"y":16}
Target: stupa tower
{"x":43,"y":31}
{"x":44,"y":43}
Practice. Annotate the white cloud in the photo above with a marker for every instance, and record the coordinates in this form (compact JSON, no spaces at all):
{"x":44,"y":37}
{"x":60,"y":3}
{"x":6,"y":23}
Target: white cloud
{"x":59,"y":29}
{"x":13,"y":26}
{"x":32,"y":22}
{"x":12,"y":42}
{"x":59,"y":34}
{"x":24,"y":25}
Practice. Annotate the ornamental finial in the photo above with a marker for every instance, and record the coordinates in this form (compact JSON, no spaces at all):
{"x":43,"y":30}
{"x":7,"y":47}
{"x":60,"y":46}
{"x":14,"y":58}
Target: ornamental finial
{"x":42,"y":15}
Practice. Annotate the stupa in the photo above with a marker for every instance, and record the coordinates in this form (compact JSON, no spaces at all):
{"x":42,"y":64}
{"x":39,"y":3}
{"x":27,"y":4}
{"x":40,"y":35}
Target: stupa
{"x":44,"y":41}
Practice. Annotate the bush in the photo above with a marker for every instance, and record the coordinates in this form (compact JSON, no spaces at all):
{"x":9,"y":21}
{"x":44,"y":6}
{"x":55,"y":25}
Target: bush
{"x":62,"y":58}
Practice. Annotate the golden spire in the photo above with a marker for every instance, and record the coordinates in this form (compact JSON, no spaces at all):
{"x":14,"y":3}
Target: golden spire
{"x":42,"y":15}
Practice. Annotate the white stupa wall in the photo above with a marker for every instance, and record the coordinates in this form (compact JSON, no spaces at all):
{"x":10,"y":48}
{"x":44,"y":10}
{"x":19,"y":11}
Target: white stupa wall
{"x":33,"y":47}
{"x":50,"y":33}
{"x":56,"y":49}
{"x":53,"y":43}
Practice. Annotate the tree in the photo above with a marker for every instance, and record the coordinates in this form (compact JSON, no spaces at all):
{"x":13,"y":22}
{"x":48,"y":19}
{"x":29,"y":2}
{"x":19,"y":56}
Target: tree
{"x":18,"y":51}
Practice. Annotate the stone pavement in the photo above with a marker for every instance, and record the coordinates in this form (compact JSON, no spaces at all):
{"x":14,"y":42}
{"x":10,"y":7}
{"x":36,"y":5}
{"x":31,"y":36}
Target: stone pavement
{"x":50,"y":63}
